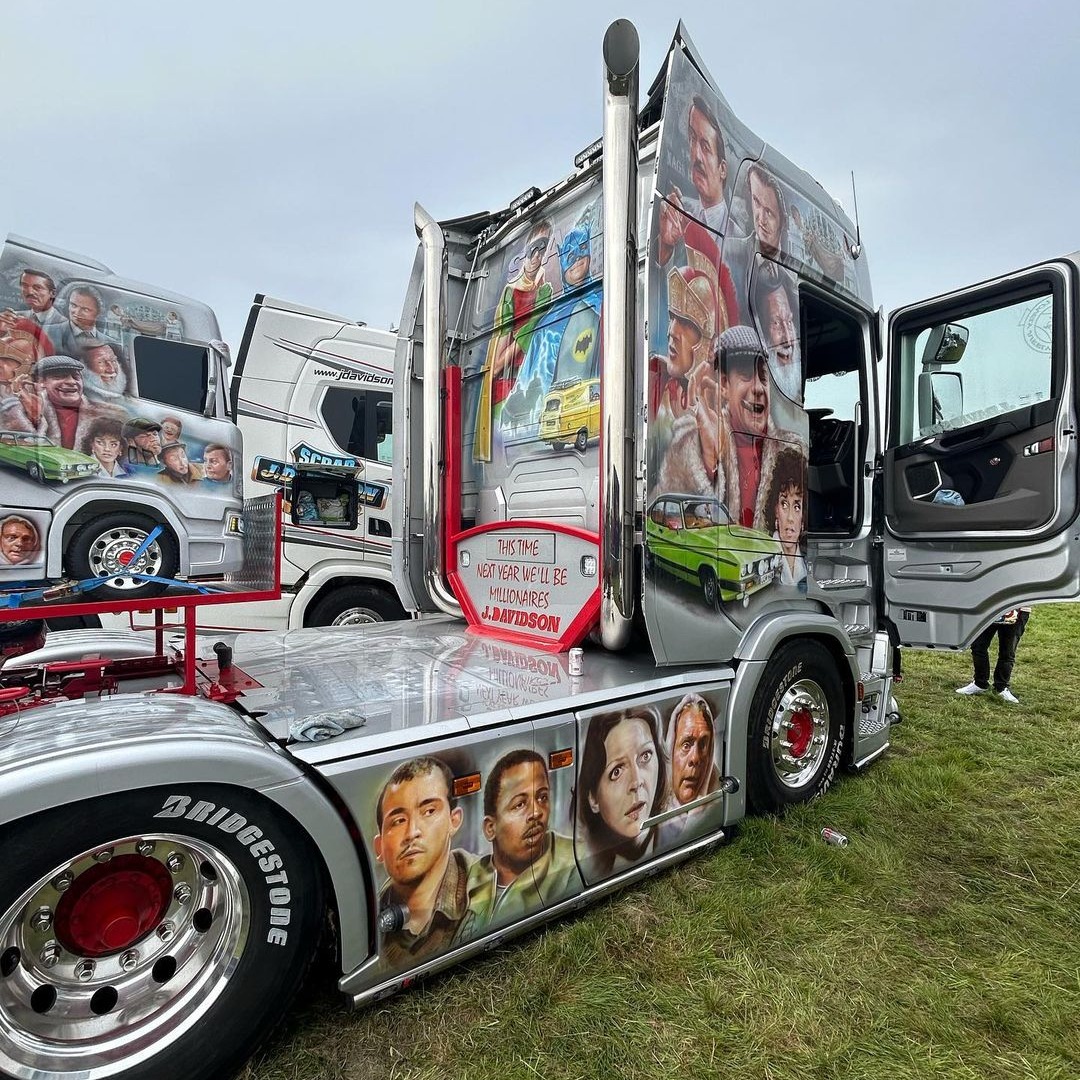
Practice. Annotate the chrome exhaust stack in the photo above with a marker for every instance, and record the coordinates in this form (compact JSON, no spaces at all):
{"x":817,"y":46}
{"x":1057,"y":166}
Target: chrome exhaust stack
{"x":434,"y":319}
{"x":620,"y":179}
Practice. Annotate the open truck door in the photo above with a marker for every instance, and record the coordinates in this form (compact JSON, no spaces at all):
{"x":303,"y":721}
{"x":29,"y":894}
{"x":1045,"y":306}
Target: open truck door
{"x":980,"y":465}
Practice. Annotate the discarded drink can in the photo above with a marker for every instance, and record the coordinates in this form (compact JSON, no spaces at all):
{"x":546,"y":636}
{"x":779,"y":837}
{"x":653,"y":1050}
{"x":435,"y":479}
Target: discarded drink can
{"x":576,"y":661}
{"x":831,"y":836}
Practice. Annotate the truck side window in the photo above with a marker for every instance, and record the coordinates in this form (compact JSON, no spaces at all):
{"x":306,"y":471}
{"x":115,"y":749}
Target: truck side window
{"x":359,"y":421}
{"x":976,"y":367}
{"x":833,"y":348}
{"x":171,"y":372}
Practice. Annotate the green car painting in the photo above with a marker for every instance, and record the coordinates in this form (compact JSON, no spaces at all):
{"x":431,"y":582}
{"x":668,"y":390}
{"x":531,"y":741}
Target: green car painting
{"x":42,"y":460}
{"x":695,"y":539}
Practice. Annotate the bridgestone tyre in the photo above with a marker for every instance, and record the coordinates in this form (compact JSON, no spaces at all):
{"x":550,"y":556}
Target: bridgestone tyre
{"x":135,"y":945}
{"x":355,"y":605}
{"x":103,"y":547}
{"x":796,"y":731}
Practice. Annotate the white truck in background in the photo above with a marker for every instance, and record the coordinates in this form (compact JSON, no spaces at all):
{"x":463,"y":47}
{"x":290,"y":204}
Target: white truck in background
{"x":312,"y":390}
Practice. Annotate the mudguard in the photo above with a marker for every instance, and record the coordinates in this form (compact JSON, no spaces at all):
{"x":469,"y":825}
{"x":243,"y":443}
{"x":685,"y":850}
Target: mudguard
{"x":761,"y":641}
{"x":65,"y":752}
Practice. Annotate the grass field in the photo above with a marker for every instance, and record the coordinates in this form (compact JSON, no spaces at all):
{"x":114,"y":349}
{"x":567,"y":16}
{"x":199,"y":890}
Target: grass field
{"x":943,"y":942}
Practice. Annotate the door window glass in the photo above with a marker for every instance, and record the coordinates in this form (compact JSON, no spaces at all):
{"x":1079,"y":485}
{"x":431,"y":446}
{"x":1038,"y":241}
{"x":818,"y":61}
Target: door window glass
{"x":359,"y":421}
{"x":975,"y":367}
{"x":172,"y":372}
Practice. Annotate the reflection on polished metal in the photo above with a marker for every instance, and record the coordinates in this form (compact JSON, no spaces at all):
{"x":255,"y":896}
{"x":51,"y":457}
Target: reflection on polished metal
{"x":621,"y":49}
{"x":431,"y":237}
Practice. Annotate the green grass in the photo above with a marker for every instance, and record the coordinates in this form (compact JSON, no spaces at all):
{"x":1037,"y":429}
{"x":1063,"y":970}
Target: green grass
{"x":944,"y":941}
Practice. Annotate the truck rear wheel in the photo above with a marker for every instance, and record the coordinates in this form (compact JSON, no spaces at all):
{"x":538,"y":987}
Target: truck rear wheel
{"x":354,"y":605}
{"x":132,"y":925}
{"x":104,"y":548}
{"x":796,"y":732}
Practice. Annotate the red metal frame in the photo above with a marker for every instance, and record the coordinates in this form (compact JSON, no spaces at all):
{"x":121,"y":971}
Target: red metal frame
{"x":74,"y":679}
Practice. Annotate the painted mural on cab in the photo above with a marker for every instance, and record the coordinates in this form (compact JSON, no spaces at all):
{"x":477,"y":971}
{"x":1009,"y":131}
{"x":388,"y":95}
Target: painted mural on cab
{"x":727,"y":448}
{"x":452,"y":866}
{"x":70,"y":411}
{"x":532,"y":377}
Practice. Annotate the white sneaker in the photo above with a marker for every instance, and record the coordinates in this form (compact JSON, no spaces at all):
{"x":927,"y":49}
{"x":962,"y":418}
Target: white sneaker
{"x":1009,"y":696}
{"x":972,"y":688}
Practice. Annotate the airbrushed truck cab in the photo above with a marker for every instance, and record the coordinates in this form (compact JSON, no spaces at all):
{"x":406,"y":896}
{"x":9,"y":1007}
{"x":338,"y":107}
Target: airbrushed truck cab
{"x":442,"y":788}
{"x":719,"y":302}
{"x":113,"y":421}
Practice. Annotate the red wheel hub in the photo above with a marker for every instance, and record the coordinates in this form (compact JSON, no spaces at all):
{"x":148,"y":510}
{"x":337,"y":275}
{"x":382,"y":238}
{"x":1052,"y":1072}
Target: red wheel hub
{"x":800,"y":731}
{"x":113,"y":904}
{"x":125,"y":557}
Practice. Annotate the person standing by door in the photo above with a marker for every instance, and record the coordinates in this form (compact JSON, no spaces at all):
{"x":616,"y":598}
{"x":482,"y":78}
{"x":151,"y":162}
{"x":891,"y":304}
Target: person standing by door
{"x":1009,"y":629}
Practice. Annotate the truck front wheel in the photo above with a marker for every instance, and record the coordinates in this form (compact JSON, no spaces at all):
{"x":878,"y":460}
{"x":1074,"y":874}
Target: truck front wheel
{"x":797,"y":725}
{"x":354,"y":605}
{"x":132,"y":925}
{"x":105,"y":548}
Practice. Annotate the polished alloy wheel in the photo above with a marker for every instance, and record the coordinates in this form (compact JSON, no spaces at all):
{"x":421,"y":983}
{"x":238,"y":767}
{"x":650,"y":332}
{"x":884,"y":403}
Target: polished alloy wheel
{"x":799,"y":733}
{"x":356,"y":616}
{"x":112,"y":555}
{"x":116,"y":953}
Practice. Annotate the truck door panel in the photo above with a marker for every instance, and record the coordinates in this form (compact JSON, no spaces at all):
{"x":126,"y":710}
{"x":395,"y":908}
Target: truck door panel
{"x":1002,"y":484}
{"x":980,"y":484}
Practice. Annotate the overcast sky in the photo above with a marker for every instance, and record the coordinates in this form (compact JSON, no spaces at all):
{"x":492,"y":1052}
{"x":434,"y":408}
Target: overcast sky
{"x":222,"y":149}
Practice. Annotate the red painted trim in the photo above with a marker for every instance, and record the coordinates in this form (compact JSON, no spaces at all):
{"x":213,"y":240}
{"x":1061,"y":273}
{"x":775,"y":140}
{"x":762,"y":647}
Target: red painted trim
{"x":576,"y":632}
{"x":544,"y":526}
{"x":451,"y":451}
{"x":578,"y":628}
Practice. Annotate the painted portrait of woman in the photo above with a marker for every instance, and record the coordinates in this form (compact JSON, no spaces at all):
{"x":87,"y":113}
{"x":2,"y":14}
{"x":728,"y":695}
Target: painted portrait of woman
{"x":622,"y":783}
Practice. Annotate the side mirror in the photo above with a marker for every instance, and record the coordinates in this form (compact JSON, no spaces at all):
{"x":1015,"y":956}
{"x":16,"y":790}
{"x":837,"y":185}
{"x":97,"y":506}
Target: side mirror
{"x":941,"y":398}
{"x":945,"y":345}
{"x":219,"y":362}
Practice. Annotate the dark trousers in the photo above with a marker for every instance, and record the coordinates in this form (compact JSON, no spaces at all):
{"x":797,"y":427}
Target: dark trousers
{"x":1008,"y":635}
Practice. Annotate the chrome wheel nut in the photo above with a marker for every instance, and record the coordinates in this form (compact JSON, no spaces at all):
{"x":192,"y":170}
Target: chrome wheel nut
{"x":41,"y":920}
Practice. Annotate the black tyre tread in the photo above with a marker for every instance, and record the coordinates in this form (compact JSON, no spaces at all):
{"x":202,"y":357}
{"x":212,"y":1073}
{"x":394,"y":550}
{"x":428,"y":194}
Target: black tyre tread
{"x":267,"y":977}
{"x":327,"y":608}
{"x":764,"y":793}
